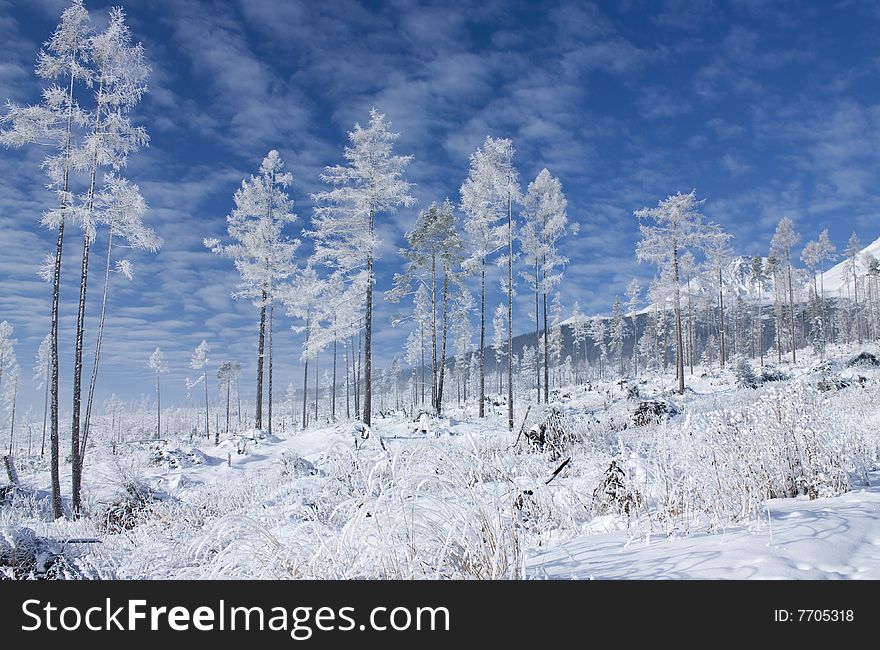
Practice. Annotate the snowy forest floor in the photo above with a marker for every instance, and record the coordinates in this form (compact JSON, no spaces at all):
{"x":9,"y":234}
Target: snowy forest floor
{"x":777,"y":481}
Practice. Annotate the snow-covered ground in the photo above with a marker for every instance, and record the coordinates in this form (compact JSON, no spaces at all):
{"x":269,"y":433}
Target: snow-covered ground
{"x":694,"y":496}
{"x":835,"y":538}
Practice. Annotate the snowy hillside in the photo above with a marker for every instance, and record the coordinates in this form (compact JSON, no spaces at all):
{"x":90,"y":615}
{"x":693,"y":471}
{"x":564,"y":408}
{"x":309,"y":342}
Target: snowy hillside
{"x":837,"y":282}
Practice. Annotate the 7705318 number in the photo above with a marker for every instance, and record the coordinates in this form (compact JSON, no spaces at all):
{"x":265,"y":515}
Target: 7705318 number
{"x":814,"y":615}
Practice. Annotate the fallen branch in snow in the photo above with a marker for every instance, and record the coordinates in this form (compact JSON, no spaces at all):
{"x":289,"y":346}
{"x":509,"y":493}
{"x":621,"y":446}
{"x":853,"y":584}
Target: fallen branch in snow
{"x":522,"y":427}
{"x":558,"y":469}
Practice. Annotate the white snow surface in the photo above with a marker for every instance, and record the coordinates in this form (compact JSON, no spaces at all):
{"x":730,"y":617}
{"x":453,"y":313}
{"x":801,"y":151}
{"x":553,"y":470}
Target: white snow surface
{"x":463,"y":498}
{"x":831,"y":538}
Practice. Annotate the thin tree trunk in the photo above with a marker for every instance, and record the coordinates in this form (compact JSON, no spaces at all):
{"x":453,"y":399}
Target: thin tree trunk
{"x":679,"y":346}
{"x":207,"y":410}
{"x":546,"y":355}
{"x":45,"y":408}
{"x":93,"y":380}
{"x":482,"y":339}
{"x":271,"y":314}
{"x":368,"y":338}
{"x":317,"y":387}
{"x":442,"y":369}
{"x":510,"y":313}
{"x":158,"y":408}
{"x":258,"y":423}
{"x":433,"y":331}
{"x":537,"y":334}
{"x":305,"y":421}
{"x":333,"y":396}
{"x":791,"y":314}
{"x":721,"y":302}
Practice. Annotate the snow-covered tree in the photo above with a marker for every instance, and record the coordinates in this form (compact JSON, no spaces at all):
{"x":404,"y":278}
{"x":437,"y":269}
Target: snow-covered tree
{"x":157,"y":364}
{"x":227,"y":374}
{"x":55,"y":123}
{"x":370,"y":184}
{"x":302,"y":298}
{"x":487,"y":198}
{"x":851,"y":252}
{"x":757,"y":280}
{"x":199,"y":361}
{"x":718,"y":256}
{"x":618,"y":332}
{"x":434,"y":241}
{"x":10,"y":397}
{"x":42,"y":367}
{"x":119,"y":76}
{"x":545,"y":223}
{"x":633,"y":294}
{"x":783,"y":240}
{"x":499,"y":329}
{"x":262,"y":252}
{"x":668,"y":230}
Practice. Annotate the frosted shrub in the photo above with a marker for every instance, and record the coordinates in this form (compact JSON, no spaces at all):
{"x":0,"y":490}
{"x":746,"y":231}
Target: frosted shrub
{"x":723,"y":464}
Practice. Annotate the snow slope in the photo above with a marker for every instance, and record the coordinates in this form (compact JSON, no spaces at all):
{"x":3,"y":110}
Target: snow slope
{"x":837,"y":538}
{"x":835,"y":279}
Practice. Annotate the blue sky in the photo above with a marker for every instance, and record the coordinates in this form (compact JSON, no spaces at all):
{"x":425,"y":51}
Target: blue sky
{"x":766,"y":109}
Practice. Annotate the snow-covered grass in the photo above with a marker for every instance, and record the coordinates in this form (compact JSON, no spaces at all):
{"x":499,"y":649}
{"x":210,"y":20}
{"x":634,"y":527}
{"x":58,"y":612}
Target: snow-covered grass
{"x":469,"y":499}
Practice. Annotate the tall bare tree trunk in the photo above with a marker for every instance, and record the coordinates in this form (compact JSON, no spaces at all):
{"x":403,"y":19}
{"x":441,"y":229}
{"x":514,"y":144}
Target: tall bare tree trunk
{"x":433,"y":330}
{"x":258,"y":422}
{"x":207,"y":410}
{"x":482,"y":340}
{"x":158,"y":407}
{"x":368,"y":337}
{"x":443,"y":345}
{"x":333,"y":395}
{"x":305,"y":421}
{"x":546,"y":355}
{"x":791,"y":314}
{"x":271,"y":314}
{"x":679,"y":346}
{"x":721,"y":303}
{"x":537,"y":334}
{"x":510,"y":313}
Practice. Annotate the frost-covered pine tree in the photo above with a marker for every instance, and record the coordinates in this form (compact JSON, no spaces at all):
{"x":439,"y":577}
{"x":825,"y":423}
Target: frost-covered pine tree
{"x":7,"y":352}
{"x":56,"y":123}
{"x":757,"y":280}
{"x":633,"y":293}
{"x":718,"y":255}
{"x":157,"y":364}
{"x":10,"y":398}
{"x":554,"y":341}
{"x":227,"y":374}
{"x":668,"y":230}
{"x":302,"y":297}
{"x":433,"y":242}
{"x":487,"y":198}
{"x":42,"y":367}
{"x":370,"y":184}
{"x":499,"y":329}
{"x":263,"y":254}
{"x":852,"y":250}
{"x":599,"y":335}
{"x":545,"y":223}
{"x":784,"y":239}
{"x":199,"y":361}
{"x":119,"y":76}
{"x":618,"y":332}
{"x":579,"y":331}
